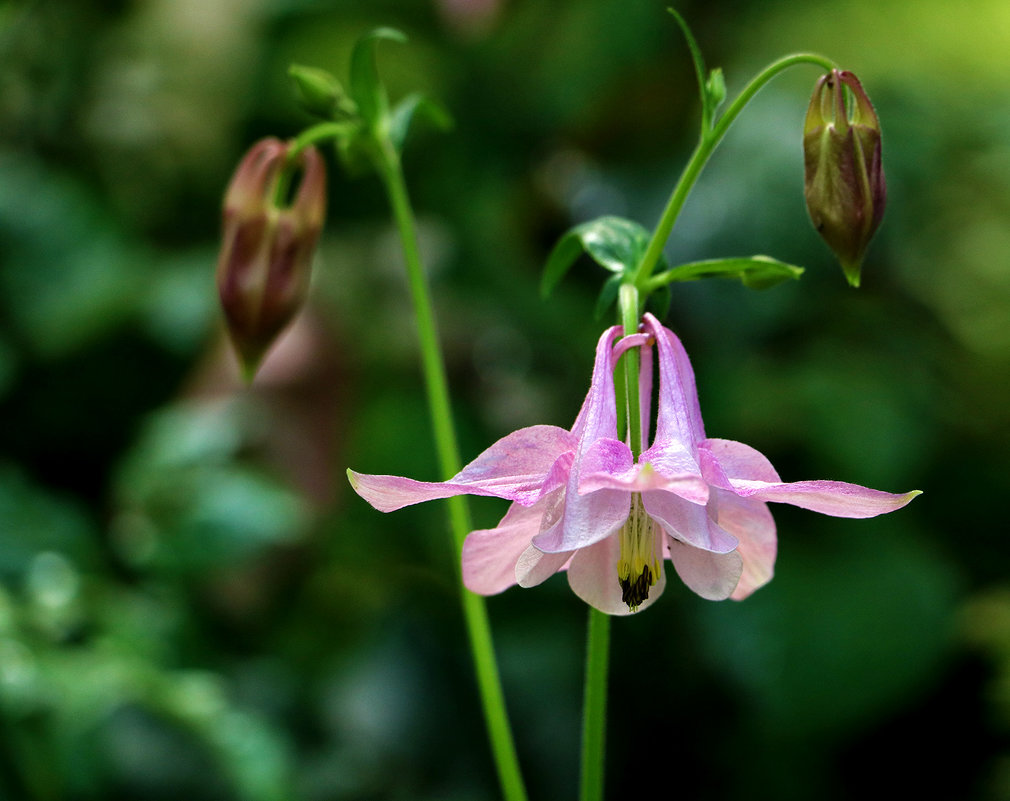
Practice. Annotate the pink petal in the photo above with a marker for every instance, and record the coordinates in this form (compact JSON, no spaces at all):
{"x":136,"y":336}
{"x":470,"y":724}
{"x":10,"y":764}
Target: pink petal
{"x":751,"y":475}
{"x":687,"y":522}
{"x":834,"y":498}
{"x":679,"y":419}
{"x":605,"y":457}
{"x":713,"y":576}
{"x":535,"y":567}
{"x":752,"y":524}
{"x":645,"y":391}
{"x":490,"y":555}
{"x":598,"y":416}
{"x":608,"y":465}
{"x":515,"y":467}
{"x":737,"y":460}
{"x":517,"y":461}
{"x":592,"y":575}
{"x":585,"y":520}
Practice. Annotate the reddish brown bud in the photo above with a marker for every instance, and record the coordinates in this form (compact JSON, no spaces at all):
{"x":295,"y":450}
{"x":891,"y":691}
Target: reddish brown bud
{"x":267,"y":246}
{"x":844,"y":182}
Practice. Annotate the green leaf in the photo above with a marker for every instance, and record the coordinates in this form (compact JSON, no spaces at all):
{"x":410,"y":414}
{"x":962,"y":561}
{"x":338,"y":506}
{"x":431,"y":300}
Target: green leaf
{"x":755,"y":272}
{"x":366,"y":89}
{"x":708,"y":109}
{"x":404,"y":112}
{"x":614,"y":243}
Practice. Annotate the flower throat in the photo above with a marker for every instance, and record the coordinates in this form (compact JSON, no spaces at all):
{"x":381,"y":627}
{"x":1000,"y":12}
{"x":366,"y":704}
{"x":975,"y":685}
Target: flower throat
{"x":637,"y":566}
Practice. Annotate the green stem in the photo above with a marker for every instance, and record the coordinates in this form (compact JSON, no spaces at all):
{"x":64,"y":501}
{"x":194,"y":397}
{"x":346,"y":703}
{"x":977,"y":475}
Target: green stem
{"x":319,"y":132}
{"x":594,"y":706}
{"x":706,"y":145}
{"x":594,"y":700}
{"x":474,"y":608}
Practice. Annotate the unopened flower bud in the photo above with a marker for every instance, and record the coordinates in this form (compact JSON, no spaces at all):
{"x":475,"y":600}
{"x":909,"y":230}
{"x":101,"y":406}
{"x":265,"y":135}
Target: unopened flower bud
{"x":269,"y":237}
{"x":319,"y":93}
{"x":844,"y":181}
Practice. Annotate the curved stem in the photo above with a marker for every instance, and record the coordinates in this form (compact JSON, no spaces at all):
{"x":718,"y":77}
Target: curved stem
{"x":706,"y":145}
{"x":474,"y":608}
{"x":317,"y":133}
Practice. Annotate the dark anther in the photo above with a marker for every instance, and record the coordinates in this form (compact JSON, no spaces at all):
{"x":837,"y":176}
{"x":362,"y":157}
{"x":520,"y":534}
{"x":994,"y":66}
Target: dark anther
{"x":634,"y":592}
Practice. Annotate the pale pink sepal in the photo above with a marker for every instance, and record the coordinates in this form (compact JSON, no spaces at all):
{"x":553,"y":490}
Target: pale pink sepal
{"x":592,"y":576}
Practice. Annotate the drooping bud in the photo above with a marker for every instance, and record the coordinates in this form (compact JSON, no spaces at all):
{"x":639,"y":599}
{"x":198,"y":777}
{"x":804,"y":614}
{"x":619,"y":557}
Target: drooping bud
{"x":270,"y":232}
{"x":844,"y":176}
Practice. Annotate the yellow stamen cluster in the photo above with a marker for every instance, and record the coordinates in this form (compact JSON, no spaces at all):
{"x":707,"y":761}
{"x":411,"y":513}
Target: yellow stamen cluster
{"x":637,"y":566}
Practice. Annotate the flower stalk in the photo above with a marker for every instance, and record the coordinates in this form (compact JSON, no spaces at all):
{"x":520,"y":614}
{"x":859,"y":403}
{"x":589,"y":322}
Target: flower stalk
{"x":709,"y":140}
{"x":437,"y":388}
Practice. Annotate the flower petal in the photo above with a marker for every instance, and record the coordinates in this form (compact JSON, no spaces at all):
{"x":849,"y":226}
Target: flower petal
{"x":592,"y":576}
{"x":713,"y":576}
{"x":835,"y":498}
{"x":737,"y":460}
{"x":535,"y":567}
{"x":490,"y":555}
{"x":679,"y":418}
{"x":751,"y":475}
{"x":585,"y":520}
{"x":598,"y":416}
{"x":687,"y":522}
{"x":515,"y":467}
{"x":752,"y":524}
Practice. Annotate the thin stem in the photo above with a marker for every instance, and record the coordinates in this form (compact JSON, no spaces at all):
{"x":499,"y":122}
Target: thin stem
{"x":594,"y":700}
{"x":317,"y":133}
{"x":629,"y":304}
{"x":706,"y":145}
{"x":474,"y":608}
{"x":594,"y":706}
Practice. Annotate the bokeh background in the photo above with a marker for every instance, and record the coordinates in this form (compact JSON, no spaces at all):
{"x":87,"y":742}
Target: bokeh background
{"x":193,"y":603}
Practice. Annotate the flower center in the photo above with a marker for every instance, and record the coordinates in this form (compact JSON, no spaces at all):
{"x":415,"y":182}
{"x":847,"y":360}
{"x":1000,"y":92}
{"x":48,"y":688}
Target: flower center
{"x":637,"y":566}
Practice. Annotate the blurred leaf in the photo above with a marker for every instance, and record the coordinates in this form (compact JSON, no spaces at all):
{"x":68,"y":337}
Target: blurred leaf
{"x":32,"y":520}
{"x":405,"y":111}
{"x":187,"y":501}
{"x":367,"y":89}
{"x":67,"y":274}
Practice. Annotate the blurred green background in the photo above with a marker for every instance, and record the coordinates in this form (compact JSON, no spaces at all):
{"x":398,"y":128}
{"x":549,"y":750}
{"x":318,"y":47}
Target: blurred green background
{"x":192,"y":602}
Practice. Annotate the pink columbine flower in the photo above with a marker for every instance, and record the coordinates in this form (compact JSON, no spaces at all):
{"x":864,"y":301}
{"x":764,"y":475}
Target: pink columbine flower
{"x":583,"y":503}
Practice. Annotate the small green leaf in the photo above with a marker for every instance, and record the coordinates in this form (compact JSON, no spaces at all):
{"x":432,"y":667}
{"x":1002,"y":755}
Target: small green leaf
{"x":755,"y":272}
{"x":403,"y":114}
{"x":614,"y":243}
{"x":708,"y":108}
{"x":366,"y":88}
{"x":715,"y":90}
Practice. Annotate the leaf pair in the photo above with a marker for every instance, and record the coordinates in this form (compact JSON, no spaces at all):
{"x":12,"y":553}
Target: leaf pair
{"x":618,"y":245}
